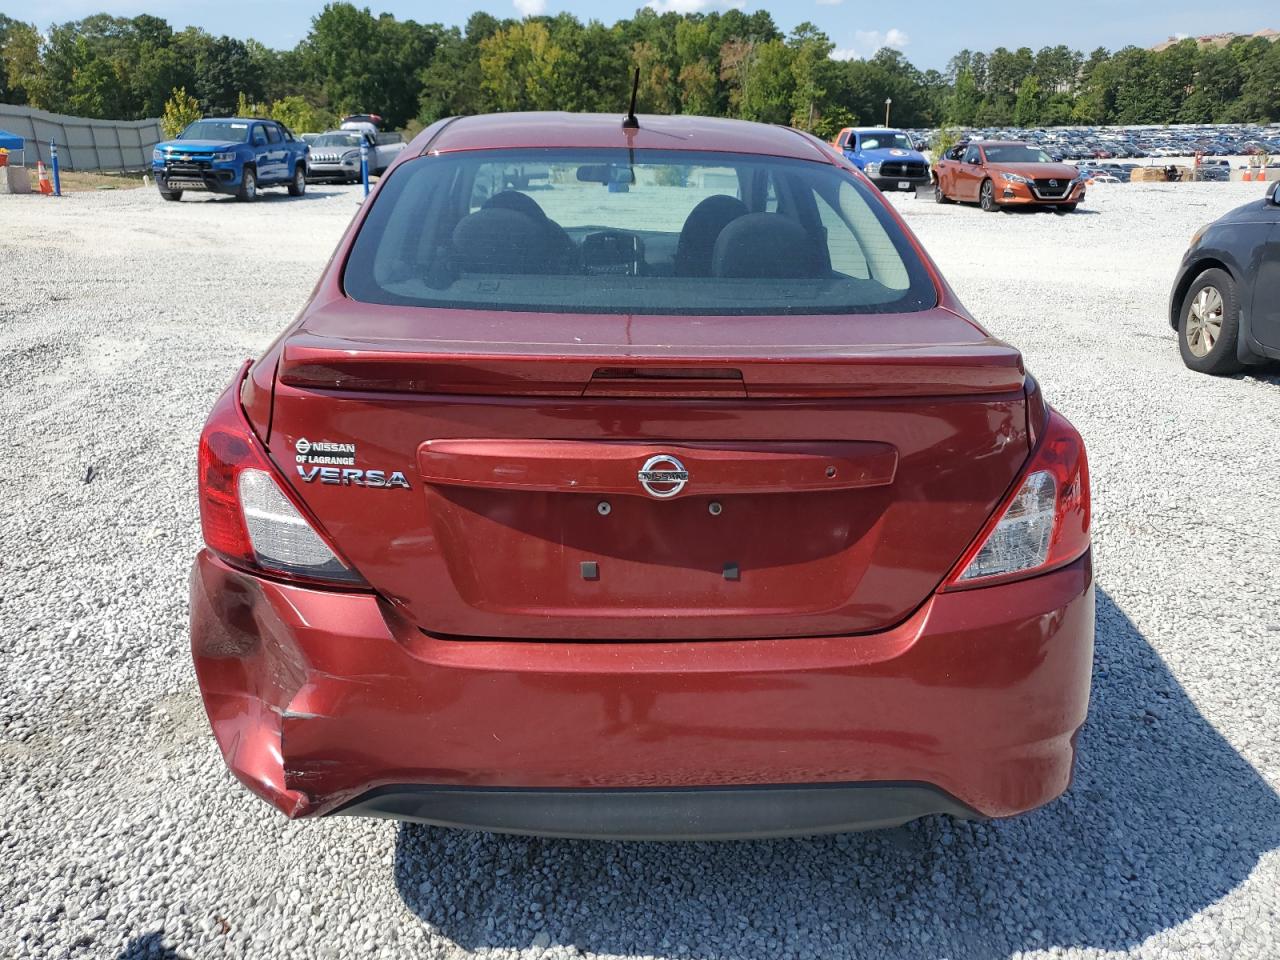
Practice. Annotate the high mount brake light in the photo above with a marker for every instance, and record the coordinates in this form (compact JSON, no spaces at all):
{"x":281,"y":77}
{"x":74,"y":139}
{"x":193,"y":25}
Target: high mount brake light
{"x":1043,"y":524}
{"x":248,"y":516}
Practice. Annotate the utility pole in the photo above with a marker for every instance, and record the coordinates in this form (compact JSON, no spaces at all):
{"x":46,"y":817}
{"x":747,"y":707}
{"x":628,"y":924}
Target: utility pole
{"x":888,"y":102}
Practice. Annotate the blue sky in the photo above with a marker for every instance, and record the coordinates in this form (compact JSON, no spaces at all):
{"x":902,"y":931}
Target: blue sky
{"x":928,"y":35}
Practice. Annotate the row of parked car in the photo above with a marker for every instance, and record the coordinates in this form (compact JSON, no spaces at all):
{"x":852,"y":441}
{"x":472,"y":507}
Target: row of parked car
{"x":1132,"y":143}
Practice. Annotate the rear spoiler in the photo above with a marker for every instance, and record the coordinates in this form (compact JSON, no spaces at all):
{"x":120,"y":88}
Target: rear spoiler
{"x":313,"y":363}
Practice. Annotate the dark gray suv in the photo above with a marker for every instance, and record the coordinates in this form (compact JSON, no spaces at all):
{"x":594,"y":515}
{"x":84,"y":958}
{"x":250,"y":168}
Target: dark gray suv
{"x":1225,"y":303}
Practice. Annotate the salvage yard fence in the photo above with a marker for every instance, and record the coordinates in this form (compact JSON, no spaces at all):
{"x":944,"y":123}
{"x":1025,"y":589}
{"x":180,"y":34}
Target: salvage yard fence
{"x":83,"y":144}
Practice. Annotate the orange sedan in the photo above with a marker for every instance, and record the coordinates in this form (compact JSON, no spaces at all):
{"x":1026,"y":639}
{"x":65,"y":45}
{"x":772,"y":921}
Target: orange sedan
{"x":1006,"y":173}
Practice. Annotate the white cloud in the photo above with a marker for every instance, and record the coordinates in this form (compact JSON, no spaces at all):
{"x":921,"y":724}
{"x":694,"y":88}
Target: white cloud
{"x":829,"y":3}
{"x":867,"y":42}
{"x":873,"y":40}
{"x":694,"y":6}
{"x":530,"y":8}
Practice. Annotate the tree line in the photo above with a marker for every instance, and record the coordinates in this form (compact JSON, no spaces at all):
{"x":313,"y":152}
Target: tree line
{"x":727,"y":63}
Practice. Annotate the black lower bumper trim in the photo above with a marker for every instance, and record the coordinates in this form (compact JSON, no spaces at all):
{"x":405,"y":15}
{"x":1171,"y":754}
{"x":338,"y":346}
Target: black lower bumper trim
{"x":696,"y":813}
{"x":891,"y":183}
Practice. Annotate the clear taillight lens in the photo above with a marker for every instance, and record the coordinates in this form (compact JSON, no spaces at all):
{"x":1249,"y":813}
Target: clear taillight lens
{"x":1020,"y":540}
{"x":282,"y":539}
{"x":1044,"y":524}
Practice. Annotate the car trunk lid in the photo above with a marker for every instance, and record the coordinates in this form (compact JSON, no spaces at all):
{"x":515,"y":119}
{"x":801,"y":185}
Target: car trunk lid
{"x":660,"y":478}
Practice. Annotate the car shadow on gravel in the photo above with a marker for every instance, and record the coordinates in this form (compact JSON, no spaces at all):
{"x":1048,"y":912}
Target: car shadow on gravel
{"x":149,"y":946}
{"x":1164,"y":819}
{"x":1034,"y":211}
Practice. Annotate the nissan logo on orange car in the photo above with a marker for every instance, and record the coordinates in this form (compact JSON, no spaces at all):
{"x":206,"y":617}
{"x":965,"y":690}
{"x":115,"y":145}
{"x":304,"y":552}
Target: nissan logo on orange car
{"x":663,"y":476}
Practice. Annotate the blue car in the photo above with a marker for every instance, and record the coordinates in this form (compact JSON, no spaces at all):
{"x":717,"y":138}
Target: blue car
{"x":234,"y":156}
{"x":887,"y":156}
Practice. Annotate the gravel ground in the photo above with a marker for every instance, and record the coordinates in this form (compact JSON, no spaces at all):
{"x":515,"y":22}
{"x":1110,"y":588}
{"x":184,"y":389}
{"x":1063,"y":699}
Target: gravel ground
{"x":121,"y":833}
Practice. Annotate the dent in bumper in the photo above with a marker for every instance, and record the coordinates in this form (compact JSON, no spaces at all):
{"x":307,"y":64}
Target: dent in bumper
{"x":317,"y":698}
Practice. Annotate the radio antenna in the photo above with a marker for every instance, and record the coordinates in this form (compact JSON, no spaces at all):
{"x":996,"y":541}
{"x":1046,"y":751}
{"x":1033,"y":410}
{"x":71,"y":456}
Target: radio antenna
{"x":629,"y":122}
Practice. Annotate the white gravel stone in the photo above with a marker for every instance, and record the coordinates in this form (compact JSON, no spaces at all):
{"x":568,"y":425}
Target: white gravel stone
{"x":122,"y":835}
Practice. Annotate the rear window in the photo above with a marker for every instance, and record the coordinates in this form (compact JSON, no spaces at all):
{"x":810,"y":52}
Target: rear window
{"x":643,"y":231}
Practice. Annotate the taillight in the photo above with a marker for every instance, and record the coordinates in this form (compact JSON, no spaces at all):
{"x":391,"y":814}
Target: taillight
{"x":248,"y":515}
{"x":1043,"y":524}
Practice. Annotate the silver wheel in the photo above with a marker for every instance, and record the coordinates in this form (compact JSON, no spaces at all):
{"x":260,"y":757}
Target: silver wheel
{"x":987,"y":197}
{"x":1204,"y":321}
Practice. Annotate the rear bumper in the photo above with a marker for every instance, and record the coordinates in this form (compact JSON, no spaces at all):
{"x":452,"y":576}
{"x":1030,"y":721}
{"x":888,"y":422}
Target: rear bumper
{"x":327,"y":702}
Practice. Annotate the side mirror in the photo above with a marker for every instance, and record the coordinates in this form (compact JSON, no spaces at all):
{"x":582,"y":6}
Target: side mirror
{"x":1273,"y":193}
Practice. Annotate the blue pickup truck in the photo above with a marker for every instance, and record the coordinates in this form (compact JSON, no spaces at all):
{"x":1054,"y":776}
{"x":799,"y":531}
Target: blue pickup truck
{"x":887,"y":156}
{"x":232,"y":155}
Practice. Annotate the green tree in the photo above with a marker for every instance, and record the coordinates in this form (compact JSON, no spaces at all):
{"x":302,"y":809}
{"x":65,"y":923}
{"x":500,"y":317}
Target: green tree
{"x":246,"y":109}
{"x":367,"y":64}
{"x":1027,"y":108}
{"x":180,"y":111}
{"x":20,"y":67}
{"x":450,"y":83}
{"x":1137,"y":90}
{"x":223,"y":71}
{"x":830,"y":124}
{"x":962,"y":110}
{"x":697,"y":88}
{"x":521,"y":68}
{"x":736,"y":58}
{"x":299,"y":115}
{"x":811,"y":50}
{"x":768,"y":86}
{"x":1259,"y":100}
{"x":656,"y":93}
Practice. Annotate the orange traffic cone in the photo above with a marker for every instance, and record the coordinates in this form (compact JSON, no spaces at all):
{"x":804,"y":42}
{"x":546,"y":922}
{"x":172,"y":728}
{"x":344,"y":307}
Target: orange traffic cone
{"x":46,"y":185}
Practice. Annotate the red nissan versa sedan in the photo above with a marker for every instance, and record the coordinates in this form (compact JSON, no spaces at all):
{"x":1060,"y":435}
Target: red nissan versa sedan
{"x":644,"y":483}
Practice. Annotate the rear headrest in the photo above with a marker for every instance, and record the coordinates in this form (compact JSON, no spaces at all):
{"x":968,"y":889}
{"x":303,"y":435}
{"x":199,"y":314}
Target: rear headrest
{"x":495,"y":240}
{"x":517,"y":201}
{"x":700,"y":230}
{"x":767,"y":245}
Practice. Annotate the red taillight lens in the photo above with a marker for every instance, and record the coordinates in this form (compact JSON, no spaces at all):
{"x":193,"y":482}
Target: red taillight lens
{"x":1043,"y":524}
{"x":270,"y":531}
{"x":223,"y":454}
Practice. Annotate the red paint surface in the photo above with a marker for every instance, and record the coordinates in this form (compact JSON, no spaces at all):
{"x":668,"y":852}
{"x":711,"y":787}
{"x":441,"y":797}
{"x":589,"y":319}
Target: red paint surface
{"x":481,"y":656}
{"x":316,"y":696}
